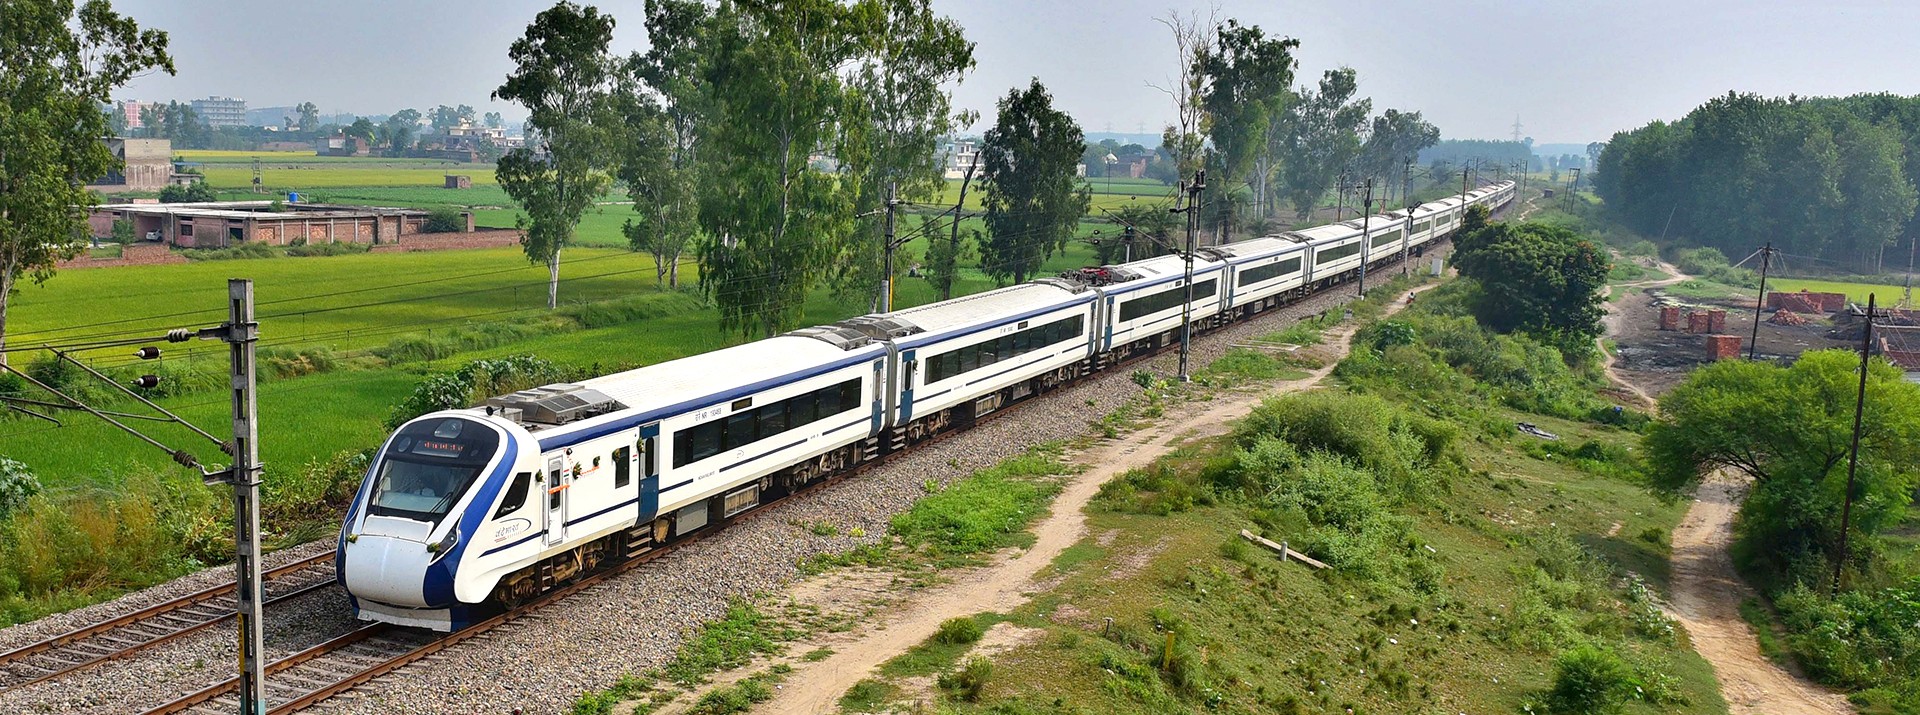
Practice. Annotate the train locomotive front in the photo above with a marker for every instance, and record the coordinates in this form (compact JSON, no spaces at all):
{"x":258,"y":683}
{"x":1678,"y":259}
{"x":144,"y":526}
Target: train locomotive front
{"x":426,"y":497}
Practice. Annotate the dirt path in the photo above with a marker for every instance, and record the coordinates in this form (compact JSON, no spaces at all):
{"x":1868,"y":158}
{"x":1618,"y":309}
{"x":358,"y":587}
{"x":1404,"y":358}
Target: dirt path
{"x":1707,"y":592}
{"x":1611,"y":321}
{"x":816,"y":688}
{"x":1706,"y":600}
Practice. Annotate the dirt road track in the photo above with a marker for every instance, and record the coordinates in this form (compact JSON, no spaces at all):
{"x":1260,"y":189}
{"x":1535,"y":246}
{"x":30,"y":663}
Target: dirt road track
{"x":1706,"y":600}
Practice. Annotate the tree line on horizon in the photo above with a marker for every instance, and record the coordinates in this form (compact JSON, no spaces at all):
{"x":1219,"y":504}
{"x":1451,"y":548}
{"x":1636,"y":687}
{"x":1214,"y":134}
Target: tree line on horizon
{"x":1826,"y":178}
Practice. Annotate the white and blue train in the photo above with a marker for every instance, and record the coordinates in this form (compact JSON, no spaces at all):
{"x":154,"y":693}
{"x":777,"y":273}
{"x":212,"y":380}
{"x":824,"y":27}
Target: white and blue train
{"x":489,"y":506}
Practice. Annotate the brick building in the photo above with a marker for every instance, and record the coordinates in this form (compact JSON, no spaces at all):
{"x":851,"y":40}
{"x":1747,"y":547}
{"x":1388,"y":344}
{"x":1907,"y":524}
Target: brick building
{"x":225,"y":223}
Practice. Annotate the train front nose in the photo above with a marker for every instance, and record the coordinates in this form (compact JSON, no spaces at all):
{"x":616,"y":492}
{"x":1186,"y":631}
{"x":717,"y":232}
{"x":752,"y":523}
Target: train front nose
{"x":388,"y":569}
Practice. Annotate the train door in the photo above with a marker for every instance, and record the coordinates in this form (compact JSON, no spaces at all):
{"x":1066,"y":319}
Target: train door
{"x":910,"y":362}
{"x":556,"y":509}
{"x":649,"y":464}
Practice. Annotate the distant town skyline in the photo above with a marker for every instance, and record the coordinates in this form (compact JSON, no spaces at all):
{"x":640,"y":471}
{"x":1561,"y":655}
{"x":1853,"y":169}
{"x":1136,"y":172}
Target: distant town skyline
{"x":1572,"y":73}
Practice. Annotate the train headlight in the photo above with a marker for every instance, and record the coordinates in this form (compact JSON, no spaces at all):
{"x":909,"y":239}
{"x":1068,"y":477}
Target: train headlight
{"x":441,"y":547}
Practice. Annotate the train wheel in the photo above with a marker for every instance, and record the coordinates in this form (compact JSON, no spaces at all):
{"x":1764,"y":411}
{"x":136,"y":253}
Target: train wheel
{"x":516,"y":590}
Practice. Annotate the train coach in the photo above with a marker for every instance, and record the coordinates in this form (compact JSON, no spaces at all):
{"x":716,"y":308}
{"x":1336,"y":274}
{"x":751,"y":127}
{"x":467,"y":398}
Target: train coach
{"x":474,"y":509}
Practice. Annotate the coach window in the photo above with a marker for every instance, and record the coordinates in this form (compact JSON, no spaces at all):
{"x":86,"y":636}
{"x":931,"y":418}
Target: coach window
{"x":849,"y":393}
{"x":830,"y":403}
{"x":516,"y":495}
{"x":622,"y":466}
{"x":739,"y":432}
{"x":772,"y":418}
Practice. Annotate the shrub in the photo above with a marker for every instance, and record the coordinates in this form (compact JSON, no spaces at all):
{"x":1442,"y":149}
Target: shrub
{"x":196,"y":192}
{"x":476,"y":380}
{"x":17,"y":485}
{"x":969,"y":680}
{"x":238,"y":251}
{"x":444,"y":220}
{"x":306,"y":250}
{"x":981,"y":512}
{"x":1589,"y":681}
{"x":957,"y":631}
{"x":1397,"y":446}
{"x":123,"y":232}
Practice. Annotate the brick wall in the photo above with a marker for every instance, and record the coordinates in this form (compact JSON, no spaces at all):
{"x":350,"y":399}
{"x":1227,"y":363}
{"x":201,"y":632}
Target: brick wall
{"x":483,"y":238}
{"x":1716,"y":321}
{"x":1697,"y":322}
{"x":139,"y":254}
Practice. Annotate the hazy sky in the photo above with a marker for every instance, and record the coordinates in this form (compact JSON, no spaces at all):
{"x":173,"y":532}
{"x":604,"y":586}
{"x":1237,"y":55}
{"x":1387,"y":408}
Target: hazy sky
{"x":1572,"y":71}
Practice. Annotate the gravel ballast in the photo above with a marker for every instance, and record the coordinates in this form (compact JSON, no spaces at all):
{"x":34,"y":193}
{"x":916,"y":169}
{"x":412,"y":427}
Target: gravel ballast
{"x":630,"y":623}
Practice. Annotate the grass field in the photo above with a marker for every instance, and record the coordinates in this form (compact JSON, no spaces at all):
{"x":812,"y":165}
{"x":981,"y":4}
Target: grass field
{"x":1886,"y":294}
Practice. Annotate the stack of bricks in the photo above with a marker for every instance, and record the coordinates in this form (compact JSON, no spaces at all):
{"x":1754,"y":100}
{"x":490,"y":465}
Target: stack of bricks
{"x":1670,"y":317}
{"x":1716,"y":321}
{"x":1807,"y":302}
{"x":1723,"y":347}
{"x":1697,"y":322}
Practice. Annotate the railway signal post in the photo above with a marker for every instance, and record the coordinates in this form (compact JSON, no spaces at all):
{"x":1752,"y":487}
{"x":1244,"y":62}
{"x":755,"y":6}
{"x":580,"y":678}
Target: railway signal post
{"x":241,"y":333}
{"x":1365,"y":241}
{"x":1186,"y":308}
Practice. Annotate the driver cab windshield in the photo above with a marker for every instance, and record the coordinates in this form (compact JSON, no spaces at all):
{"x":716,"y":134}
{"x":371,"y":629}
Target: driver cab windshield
{"x":428,"y":466}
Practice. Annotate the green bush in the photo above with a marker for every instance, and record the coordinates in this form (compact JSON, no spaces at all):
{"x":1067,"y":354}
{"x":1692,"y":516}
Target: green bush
{"x":1860,"y":639}
{"x":307,"y":250}
{"x":444,"y":220}
{"x":239,"y":251}
{"x":1590,"y":681}
{"x":969,"y":680}
{"x":476,"y":381}
{"x":985,"y":511}
{"x":17,"y":485}
{"x":123,"y":232}
{"x":1400,"y":448}
{"x":958,"y":631}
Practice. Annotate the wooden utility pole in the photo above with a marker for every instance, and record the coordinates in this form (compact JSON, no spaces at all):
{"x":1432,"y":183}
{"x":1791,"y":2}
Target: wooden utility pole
{"x":1853,"y":455}
{"x":1766,"y":259}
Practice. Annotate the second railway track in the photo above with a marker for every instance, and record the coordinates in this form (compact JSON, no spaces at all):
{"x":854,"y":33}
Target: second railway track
{"x":154,"y":625}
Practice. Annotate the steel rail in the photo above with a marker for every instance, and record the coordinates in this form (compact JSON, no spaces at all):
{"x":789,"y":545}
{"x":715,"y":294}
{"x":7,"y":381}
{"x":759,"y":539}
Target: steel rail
{"x":150,"y":617}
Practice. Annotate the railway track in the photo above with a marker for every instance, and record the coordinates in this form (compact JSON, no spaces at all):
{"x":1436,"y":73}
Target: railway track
{"x":336,"y":666}
{"x":154,"y":625}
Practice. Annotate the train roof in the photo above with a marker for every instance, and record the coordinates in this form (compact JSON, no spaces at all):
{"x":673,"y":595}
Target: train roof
{"x":971,"y":310}
{"x":1240,"y":251}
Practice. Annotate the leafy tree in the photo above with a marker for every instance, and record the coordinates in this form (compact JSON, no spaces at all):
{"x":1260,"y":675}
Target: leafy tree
{"x":1247,"y":79}
{"x":1791,"y":428}
{"x":1033,"y":199}
{"x":493,"y":120}
{"x":1153,"y":233}
{"x":1542,"y":279}
{"x":62,"y":63}
{"x":657,"y":150}
{"x":563,"y":75}
{"x":900,"y":112}
{"x":124,"y":232}
{"x":196,"y":192}
{"x":361,"y":128}
{"x":445,"y":117}
{"x":309,"y":116}
{"x":944,"y":256}
{"x":116,"y":122}
{"x":444,"y":220}
{"x":1393,"y":144}
{"x":399,"y":130}
{"x":777,"y":96}
{"x":1322,"y":138}
{"x":1819,"y":176}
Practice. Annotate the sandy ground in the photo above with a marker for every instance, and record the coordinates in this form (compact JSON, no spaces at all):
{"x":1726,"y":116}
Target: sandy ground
{"x":1706,"y":600}
{"x":816,"y":687}
{"x":1614,"y":322}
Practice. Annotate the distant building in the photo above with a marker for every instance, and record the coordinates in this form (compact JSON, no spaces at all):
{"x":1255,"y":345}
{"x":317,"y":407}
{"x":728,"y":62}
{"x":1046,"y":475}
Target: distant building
{"x":271,"y":116}
{"x":961,"y":155}
{"x":221,"y":111}
{"x":131,"y":110}
{"x":343,"y":145}
{"x":218,"y":224}
{"x":148,"y":165}
{"x":469,"y":142}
